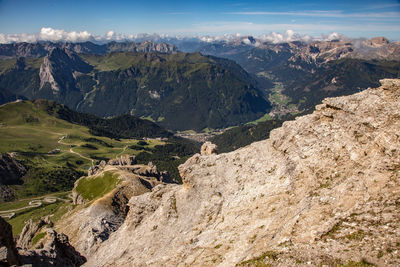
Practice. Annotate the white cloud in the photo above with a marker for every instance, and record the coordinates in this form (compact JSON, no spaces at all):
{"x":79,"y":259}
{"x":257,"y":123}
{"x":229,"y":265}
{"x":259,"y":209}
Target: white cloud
{"x":109,"y":35}
{"x":54,"y":35}
{"x":208,"y":32}
{"x":57,"y":35}
{"x":287,"y":36}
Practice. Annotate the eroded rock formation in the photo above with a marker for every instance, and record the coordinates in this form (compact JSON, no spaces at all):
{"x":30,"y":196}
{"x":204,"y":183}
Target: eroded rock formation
{"x":57,"y":250}
{"x":30,"y":229}
{"x":91,"y":226}
{"x":208,"y":149}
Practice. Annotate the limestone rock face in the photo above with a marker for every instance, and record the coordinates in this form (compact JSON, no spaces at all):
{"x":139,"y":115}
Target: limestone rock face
{"x":56,"y":252}
{"x":90,"y":226}
{"x":29,"y":231}
{"x":324,"y":189}
{"x":208,"y":149}
{"x":59,"y":69}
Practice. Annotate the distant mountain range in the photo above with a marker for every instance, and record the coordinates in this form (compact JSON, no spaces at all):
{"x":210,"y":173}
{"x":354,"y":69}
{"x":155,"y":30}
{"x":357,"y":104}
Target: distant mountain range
{"x":180,"y":91}
{"x":303,"y":73}
{"x":41,"y":49}
{"x":192,"y":90}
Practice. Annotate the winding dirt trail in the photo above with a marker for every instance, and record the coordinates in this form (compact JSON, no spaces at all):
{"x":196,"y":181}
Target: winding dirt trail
{"x":32,"y":204}
{"x":123,"y":150}
{"x":73,"y":152}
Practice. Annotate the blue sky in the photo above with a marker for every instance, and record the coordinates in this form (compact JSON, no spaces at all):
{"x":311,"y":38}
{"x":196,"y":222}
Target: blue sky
{"x":203,"y":17}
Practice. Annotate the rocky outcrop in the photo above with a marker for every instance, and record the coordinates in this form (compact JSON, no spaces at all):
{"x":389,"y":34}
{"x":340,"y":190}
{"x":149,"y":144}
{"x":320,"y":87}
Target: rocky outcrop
{"x":56,"y":252}
{"x":377,"y":41}
{"x":208,"y":149}
{"x":323,"y":190}
{"x":8,"y":252}
{"x":30,"y":229}
{"x":97,"y":168}
{"x":127,"y":162}
{"x":6,"y":193}
{"x":123,"y":160}
{"x":88,"y":227}
{"x":11,"y":170}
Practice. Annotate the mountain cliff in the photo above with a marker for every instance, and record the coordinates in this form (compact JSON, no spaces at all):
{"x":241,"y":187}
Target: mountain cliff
{"x":322,"y":190}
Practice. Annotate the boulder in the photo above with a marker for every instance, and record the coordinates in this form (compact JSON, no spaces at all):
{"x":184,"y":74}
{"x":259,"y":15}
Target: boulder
{"x":208,"y":148}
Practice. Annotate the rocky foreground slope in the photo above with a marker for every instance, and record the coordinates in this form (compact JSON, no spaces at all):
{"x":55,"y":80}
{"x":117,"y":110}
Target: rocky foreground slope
{"x":324,"y":189}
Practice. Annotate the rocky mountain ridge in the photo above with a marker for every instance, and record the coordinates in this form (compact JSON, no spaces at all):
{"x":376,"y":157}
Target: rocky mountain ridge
{"x":323,"y":190}
{"x":301,"y":74}
{"x":321,"y":51}
{"x":41,"y":49}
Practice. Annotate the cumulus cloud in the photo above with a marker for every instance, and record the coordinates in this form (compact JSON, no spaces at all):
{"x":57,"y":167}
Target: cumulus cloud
{"x":48,"y":34}
{"x":54,"y":35}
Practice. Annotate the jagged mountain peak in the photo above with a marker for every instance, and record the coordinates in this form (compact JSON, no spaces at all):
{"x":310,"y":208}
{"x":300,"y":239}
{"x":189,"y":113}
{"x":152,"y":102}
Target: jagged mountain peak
{"x":59,"y":68}
{"x":40,"y":49}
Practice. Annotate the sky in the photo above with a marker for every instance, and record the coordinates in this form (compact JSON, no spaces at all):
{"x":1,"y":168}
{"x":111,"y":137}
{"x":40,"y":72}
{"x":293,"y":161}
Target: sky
{"x":78,"y":20}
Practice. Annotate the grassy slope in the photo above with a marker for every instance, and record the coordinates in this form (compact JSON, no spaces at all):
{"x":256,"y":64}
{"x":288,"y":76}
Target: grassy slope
{"x":93,"y":187}
{"x":28,"y":129}
{"x":125,"y":60}
{"x":56,"y":209}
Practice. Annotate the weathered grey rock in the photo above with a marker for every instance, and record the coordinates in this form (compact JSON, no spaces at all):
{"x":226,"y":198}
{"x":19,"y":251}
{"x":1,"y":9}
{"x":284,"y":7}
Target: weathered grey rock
{"x":59,"y":69}
{"x":77,"y":199}
{"x":379,"y":41}
{"x":8,"y":251}
{"x":56,"y":252}
{"x":323,"y":189}
{"x":208,"y":148}
{"x":94,"y":170}
{"x":89,"y":227}
{"x":30,"y":229}
{"x":124,"y":160}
